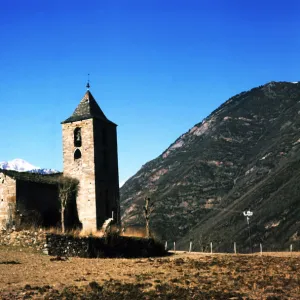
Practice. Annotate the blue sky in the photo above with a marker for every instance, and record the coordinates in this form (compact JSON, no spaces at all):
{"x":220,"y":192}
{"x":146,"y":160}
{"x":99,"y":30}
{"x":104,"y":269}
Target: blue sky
{"x":157,"y":67}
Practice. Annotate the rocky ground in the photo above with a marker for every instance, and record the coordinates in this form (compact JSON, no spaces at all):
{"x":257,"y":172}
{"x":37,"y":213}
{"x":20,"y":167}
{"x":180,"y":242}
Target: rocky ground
{"x":30,"y":275}
{"x":34,"y":239}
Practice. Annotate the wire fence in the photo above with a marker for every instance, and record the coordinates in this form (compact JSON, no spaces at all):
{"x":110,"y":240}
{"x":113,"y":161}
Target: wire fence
{"x":209,"y":248}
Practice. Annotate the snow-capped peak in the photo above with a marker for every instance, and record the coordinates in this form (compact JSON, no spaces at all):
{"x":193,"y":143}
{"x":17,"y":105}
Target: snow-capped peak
{"x":22,"y":165}
{"x":17,"y":164}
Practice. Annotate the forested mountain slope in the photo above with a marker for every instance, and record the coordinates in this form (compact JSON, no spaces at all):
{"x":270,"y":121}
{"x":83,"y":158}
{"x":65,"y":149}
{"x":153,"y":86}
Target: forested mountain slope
{"x":245,"y":155}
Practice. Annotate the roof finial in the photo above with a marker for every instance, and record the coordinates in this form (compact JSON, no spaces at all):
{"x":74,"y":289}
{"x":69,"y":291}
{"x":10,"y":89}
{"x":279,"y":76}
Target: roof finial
{"x":88,"y":83}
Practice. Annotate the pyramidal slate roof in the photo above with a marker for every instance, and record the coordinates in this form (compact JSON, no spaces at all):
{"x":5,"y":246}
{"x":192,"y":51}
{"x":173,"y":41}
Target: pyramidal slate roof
{"x":88,"y":108}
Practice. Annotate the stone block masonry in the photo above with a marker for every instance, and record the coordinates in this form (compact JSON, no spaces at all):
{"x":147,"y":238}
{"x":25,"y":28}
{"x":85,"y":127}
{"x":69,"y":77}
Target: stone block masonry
{"x":83,"y":169}
{"x":31,"y":239}
{"x":7,"y":200}
{"x":90,"y":155}
{"x":111,"y":246}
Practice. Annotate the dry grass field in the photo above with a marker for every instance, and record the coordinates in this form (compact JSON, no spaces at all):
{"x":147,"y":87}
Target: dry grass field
{"x":28,"y":275}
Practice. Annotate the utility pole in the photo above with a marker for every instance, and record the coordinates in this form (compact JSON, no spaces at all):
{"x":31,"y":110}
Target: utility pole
{"x":249,"y":214}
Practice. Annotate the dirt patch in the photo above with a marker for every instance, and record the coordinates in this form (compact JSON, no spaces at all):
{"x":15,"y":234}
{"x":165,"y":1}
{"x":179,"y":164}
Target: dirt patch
{"x":182,"y":276}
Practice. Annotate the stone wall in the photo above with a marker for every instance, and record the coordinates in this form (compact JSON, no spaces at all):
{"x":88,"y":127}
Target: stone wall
{"x":32,"y":239}
{"x":7,"y":200}
{"x":83,"y":169}
{"x":75,"y":246}
{"x":112,"y":246}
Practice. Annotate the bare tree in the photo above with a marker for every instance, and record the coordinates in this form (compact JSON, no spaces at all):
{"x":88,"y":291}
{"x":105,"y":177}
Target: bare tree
{"x":67,"y":188}
{"x":148,"y":210}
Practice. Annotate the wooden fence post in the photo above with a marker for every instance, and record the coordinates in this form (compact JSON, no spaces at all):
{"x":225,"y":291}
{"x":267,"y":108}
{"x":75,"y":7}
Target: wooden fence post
{"x":166,"y":245}
{"x":261,"y":250}
{"x":174,"y":247}
{"x":234,"y":247}
{"x":211,"y":249}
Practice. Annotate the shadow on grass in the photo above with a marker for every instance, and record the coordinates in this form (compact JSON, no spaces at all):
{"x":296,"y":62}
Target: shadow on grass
{"x":10,"y":262}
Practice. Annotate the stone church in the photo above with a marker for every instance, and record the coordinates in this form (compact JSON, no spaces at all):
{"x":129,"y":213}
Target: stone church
{"x":89,"y":155}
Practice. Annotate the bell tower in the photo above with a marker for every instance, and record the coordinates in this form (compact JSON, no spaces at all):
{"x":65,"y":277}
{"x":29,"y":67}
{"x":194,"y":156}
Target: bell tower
{"x":90,"y":155}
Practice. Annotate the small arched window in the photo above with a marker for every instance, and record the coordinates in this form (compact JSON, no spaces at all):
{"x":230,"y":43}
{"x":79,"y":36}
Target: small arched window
{"x":77,"y":137}
{"x":77,"y":154}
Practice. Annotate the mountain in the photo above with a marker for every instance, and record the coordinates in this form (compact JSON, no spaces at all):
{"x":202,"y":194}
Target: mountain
{"x":244,"y":155}
{"x":21,"y":165}
{"x":17,"y":165}
{"x":43,"y":171}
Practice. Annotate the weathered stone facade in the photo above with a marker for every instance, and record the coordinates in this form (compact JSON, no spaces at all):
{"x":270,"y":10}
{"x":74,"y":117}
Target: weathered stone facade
{"x":90,"y":155}
{"x":83,"y":169}
{"x":7,"y":199}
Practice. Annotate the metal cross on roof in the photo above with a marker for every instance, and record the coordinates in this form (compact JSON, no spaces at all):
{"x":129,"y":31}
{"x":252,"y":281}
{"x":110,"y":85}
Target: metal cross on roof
{"x":88,"y":83}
